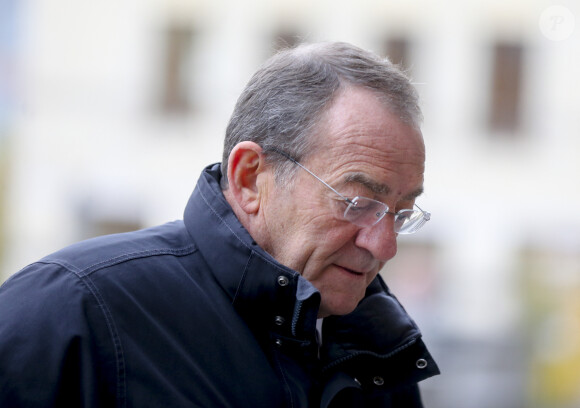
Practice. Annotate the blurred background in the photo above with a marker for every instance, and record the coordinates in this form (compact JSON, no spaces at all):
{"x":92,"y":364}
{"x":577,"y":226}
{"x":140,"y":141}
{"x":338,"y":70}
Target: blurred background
{"x":110,"y":109}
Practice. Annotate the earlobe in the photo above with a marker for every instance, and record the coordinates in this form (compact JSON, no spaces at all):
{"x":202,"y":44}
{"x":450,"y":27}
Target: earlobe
{"x":245,"y":164}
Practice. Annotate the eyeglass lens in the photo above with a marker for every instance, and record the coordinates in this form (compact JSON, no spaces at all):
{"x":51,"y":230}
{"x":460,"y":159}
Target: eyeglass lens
{"x":366,"y":212}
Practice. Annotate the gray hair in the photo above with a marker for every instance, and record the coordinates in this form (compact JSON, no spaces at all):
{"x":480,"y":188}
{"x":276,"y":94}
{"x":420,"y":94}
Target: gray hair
{"x":283,"y":101}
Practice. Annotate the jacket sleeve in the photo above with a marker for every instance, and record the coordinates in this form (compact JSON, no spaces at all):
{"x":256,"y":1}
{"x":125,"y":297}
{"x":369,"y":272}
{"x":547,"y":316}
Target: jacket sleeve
{"x":55,"y":348}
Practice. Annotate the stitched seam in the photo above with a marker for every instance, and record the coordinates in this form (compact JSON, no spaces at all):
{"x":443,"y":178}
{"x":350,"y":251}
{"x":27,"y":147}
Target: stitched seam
{"x":115,"y":338}
{"x":135,"y":255}
{"x":239,"y":286}
{"x":88,"y":270}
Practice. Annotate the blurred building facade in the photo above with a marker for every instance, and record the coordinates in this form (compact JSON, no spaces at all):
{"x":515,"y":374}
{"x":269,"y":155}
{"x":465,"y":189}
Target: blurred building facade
{"x":110,"y":110}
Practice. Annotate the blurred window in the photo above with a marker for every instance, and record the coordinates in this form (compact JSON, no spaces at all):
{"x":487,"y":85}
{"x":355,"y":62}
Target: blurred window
{"x":504,"y":110}
{"x":397,"y":50}
{"x":175,"y":92}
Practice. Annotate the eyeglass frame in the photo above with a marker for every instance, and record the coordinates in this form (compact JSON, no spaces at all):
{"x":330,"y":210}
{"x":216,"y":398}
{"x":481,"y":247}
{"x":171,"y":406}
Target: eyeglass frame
{"x":425,"y":215}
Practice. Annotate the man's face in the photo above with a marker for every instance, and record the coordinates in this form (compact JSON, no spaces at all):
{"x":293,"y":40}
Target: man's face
{"x":361,"y":150}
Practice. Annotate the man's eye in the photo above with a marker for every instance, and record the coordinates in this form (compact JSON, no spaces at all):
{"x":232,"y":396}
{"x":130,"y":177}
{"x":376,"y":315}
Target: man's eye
{"x":357,"y":208}
{"x":361,"y":206}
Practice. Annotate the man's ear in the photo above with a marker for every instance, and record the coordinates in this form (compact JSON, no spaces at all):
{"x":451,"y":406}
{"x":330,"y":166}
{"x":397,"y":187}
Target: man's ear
{"x":245,"y":163}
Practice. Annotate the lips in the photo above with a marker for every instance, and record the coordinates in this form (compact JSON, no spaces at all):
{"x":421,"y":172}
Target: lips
{"x":351,"y":271}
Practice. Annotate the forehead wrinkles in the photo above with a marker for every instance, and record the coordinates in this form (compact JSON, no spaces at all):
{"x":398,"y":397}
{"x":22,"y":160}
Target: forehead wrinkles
{"x":359,"y":134}
{"x":377,"y":152}
{"x":360,"y":161}
{"x":375,"y":138}
{"x":359,"y":115}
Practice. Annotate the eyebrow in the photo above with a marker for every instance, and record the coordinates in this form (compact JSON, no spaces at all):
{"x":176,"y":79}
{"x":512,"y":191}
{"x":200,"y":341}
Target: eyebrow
{"x":378,"y":188}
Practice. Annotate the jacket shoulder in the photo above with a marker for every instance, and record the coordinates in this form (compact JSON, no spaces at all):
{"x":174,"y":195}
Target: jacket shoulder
{"x":49,"y":320}
{"x":55,"y":317}
{"x":88,"y":256}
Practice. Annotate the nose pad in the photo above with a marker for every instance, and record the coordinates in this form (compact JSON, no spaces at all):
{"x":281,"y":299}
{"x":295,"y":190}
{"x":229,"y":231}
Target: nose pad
{"x":380,"y":239}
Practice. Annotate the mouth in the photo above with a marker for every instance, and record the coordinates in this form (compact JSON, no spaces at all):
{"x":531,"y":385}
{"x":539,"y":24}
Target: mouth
{"x":351,"y":271}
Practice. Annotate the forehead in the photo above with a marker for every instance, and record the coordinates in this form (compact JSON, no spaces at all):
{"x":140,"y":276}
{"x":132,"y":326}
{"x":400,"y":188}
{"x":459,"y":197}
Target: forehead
{"x":358,"y":138}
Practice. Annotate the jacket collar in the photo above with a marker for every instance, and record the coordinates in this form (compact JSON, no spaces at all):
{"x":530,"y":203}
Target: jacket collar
{"x":267,"y":294}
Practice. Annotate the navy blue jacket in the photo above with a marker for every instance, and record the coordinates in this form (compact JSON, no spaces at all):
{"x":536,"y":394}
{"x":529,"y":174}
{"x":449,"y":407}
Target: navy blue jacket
{"x":194,"y":314}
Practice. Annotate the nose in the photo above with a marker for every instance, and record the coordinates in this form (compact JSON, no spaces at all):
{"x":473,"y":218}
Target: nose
{"x":380,"y":239}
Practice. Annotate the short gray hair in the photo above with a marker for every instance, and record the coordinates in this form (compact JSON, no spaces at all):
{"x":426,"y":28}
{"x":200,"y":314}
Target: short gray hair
{"x":282,"y":102}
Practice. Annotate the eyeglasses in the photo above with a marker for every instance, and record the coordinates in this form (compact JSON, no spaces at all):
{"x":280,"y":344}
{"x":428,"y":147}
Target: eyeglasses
{"x":366,"y":212}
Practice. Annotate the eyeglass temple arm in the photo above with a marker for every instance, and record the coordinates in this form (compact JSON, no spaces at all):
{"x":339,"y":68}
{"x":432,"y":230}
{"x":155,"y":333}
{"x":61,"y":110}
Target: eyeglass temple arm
{"x":426,"y":214}
{"x":286,"y":155}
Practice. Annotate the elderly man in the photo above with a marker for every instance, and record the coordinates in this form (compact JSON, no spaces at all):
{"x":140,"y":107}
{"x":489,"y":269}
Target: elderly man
{"x":323,"y":161}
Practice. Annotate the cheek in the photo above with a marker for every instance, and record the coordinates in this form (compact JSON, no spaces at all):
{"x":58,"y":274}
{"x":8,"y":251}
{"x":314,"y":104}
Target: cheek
{"x":328,"y":245}
{"x":293,"y":235}
{"x":318,"y":245}
{"x":339,"y":231}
